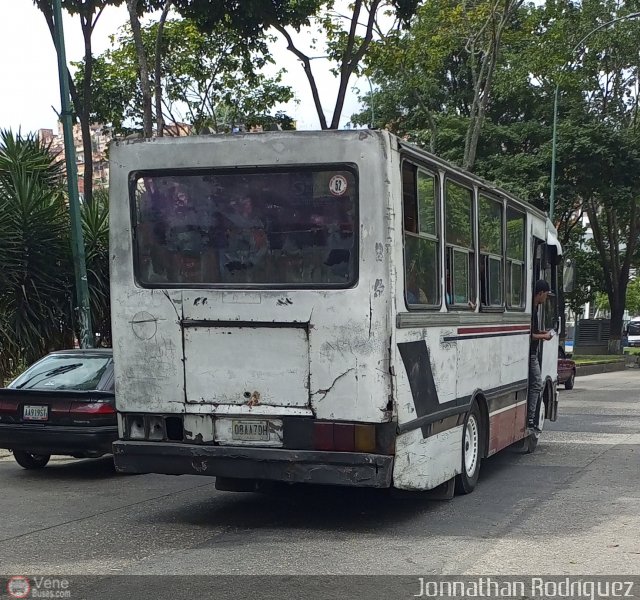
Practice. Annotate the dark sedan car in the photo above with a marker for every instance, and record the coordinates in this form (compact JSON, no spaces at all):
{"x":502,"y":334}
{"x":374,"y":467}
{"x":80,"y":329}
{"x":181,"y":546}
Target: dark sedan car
{"x":62,"y":404}
{"x":566,"y":370}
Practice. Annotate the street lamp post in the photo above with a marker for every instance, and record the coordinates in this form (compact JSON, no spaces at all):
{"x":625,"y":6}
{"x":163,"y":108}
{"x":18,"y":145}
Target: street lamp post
{"x":77,"y":241}
{"x":552,"y":191}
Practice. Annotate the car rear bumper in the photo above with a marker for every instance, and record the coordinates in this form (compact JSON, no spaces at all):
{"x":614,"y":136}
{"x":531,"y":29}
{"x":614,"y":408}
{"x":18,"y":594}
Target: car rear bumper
{"x":43,"y":439}
{"x":266,"y":464}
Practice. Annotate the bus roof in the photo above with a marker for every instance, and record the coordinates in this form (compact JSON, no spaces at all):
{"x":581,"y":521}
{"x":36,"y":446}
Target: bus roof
{"x":479,"y":181}
{"x":406,"y":147}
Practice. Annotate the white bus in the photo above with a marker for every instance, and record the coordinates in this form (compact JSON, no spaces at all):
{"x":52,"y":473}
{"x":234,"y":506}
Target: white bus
{"x":323,"y":307}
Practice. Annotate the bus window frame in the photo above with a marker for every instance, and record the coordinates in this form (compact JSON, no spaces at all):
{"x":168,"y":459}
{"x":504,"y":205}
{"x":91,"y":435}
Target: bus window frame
{"x":510,"y":262}
{"x":135,"y":175}
{"x":419,"y":235}
{"x":470,"y":304}
{"x":493,"y":308}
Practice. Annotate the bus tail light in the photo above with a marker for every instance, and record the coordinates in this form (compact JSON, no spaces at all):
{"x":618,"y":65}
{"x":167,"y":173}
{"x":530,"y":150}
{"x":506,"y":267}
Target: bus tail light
{"x":344,"y":437}
{"x":323,"y":436}
{"x":365,"y":438}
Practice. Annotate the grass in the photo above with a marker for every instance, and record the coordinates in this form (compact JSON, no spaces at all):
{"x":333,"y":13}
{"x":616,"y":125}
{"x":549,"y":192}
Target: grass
{"x":635,"y":351}
{"x":596,"y":359}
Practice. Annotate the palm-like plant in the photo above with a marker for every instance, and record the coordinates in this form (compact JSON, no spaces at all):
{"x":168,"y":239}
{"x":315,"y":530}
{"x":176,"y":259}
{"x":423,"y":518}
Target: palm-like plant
{"x":95,"y":228}
{"x":35,"y":266}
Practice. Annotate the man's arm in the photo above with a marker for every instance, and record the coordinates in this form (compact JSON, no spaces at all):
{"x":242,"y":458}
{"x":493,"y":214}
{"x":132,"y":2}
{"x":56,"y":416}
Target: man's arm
{"x":543,"y":335}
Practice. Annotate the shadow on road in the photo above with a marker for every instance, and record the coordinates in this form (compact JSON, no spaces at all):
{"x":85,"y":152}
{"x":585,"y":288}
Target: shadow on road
{"x":335,"y":509}
{"x":84,"y":469}
{"x":305,"y":507}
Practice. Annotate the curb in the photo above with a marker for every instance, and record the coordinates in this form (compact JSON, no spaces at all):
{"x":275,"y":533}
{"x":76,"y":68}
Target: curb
{"x":600,"y":368}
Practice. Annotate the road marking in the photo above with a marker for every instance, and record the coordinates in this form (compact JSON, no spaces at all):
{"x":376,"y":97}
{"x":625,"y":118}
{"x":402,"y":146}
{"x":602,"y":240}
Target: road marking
{"x":583,"y":437}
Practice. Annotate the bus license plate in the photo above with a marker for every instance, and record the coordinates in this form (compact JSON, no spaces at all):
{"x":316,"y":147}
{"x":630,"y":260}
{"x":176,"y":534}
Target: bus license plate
{"x":250,"y":431}
{"x":35,"y":413}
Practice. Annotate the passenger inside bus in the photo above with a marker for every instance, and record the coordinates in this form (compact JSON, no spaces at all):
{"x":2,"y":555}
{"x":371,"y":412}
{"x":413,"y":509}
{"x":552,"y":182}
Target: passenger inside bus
{"x":247,"y":244}
{"x":415,"y":294}
{"x":242,"y":229}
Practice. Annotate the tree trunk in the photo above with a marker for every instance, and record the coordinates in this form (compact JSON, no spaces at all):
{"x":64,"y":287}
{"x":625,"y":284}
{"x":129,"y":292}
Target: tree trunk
{"x":158,"y":69}
{"x":615,"y":326}
{"x":353,"y":56}
{"x":306,"y":63}
{"x":143,"y":69}
{"x":85,"y":116}
{"x":484,"y":83}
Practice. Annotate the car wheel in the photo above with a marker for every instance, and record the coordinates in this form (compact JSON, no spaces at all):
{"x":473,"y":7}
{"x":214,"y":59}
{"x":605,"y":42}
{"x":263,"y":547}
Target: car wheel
{"x":471,"y":452}
{"x":28,"y":460}
{"x":568,"y":384}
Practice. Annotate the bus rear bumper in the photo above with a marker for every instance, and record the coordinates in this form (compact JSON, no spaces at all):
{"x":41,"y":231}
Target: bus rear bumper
{"x":263,"y":464}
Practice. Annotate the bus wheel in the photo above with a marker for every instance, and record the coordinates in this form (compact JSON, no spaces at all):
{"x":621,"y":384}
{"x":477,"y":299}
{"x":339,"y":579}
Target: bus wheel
{"x":471,"y":452}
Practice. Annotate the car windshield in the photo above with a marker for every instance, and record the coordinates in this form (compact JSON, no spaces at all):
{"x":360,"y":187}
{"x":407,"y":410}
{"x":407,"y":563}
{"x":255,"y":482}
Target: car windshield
{"x":64,"y":372}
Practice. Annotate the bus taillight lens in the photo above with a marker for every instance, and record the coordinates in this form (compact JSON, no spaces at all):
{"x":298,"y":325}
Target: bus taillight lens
{"x":323,"y":436}
{"x":365,"y":438}
{"x":343,"y":437}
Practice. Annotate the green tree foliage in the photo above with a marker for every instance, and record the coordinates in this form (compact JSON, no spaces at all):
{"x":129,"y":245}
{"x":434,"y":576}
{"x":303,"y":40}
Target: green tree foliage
{"x":424,"y":85}
{"x":444,"y":65}
{"x":349,"y":33}
{"x":214,"y":78}
{"x":34,"y":254}
{"x":95,"y":229}
{"x":633,"y":297}
{"x":88,"y":11}
{"x":588,"y":271}
{"x":36,"y":269}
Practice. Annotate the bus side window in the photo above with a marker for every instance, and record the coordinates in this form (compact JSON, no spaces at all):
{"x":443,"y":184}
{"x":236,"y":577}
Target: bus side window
{"x":490,"y":220}
{"x":421,"y":243}
{"x":460,"y":261}
{"x":515,"y":259}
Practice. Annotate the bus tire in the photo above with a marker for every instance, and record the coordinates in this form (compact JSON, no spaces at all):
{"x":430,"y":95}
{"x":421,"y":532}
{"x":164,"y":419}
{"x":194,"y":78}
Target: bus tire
{"x":472,"y":436}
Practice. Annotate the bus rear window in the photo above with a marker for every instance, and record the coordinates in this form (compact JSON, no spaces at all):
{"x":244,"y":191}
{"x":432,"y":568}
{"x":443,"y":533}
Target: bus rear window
{"x":263,"y":228}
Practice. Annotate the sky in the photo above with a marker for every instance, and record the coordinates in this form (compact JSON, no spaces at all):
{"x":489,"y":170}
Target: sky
{"x":29,"y":89}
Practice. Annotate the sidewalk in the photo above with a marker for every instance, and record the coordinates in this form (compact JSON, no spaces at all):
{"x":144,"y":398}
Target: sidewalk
{"x":600,"y":368}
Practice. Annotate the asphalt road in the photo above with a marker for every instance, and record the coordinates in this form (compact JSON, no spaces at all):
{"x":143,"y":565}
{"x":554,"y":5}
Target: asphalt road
{"x":573,"y":507}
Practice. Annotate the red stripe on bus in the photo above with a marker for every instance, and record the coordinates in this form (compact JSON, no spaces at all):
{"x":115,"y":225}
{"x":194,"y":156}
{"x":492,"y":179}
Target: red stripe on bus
{"x":502,"y":430}
{"x":493,"y":329}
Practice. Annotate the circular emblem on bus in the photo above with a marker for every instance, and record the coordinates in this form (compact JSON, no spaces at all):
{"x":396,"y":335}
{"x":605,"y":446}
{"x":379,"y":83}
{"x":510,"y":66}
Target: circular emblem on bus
{"x":144,"y":325}
{"x":338,"y":185}
{"x":18,"y":586}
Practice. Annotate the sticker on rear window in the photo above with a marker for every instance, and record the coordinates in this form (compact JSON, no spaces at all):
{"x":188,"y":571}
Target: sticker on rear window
{"x":338,"y":185}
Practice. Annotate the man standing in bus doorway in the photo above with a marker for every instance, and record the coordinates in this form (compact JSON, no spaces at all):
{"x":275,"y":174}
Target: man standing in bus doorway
{"x":541,"y":292}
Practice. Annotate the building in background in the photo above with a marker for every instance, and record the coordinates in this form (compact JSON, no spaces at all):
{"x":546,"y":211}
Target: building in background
{"x":100,"y":138}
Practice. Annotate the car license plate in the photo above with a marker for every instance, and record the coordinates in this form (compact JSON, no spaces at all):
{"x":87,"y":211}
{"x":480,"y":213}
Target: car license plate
{"x":35,"y":413}
{"x":250,"y":431}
